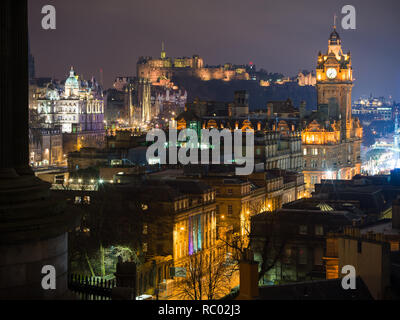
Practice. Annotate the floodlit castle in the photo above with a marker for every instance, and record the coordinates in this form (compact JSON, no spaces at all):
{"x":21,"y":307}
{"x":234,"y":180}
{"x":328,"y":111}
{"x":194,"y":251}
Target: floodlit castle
{"x":159,"y":69}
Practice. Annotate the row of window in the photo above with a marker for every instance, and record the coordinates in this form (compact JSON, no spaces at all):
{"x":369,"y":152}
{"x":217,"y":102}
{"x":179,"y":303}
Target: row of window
{"x":186,"y":203}
{"x":313,"y":151}
{"x":84,"y":200}
{"x":303,"y":255}
{"x":314,"y":164}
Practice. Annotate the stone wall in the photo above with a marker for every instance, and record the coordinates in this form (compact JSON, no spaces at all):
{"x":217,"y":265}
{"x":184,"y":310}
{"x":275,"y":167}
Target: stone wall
{"x":21,"y":266}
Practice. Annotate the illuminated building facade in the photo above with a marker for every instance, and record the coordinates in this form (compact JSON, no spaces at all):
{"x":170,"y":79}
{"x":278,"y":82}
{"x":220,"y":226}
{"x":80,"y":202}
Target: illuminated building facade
{"x":237,"y":200}
{"x":240,"y":199}
{"x":45,"y":147}
{"x":306,"y":79}
{"x":355,"y":247}
{"x":331,"y":138}
{"x":180,"y":222}
{"x":168,"y":101}
{"x":78,"y":109}
{"x":144,"y":98}
{"x":277,"y":141}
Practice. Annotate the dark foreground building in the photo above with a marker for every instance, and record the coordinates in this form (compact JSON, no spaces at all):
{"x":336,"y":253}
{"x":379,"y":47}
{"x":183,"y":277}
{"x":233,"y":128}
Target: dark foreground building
{"x":33,"y":225}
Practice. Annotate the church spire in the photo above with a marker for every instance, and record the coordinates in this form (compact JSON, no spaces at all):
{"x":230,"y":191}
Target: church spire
{"x":163,"y":53}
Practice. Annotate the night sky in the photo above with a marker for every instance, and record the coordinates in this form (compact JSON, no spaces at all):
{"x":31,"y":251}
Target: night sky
{"x":279,"y":36}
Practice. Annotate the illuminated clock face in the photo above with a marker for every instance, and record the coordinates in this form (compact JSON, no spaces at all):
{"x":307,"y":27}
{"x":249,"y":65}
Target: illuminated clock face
{"x":331,"y":73}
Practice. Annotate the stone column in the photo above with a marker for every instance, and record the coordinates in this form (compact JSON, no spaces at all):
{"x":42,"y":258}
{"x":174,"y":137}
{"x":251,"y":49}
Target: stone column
{"x":14,"y":86}
{"x":33,"y":224}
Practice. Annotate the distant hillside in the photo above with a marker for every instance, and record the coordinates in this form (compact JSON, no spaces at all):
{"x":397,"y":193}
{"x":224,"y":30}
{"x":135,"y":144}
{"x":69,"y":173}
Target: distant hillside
{"x":258,"y":96}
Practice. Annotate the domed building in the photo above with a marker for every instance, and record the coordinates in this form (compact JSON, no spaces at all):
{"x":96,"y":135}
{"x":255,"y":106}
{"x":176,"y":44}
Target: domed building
{"x":77,"y":109}
{"x":72,"y":86}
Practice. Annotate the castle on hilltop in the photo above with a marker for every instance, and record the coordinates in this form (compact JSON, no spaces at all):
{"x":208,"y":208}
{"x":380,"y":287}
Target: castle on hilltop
{"x":164,"y":68}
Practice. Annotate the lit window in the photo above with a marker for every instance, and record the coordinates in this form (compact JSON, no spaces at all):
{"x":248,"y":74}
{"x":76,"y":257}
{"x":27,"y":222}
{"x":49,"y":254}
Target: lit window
{"x":305,"y":151}
{"x":303,"y":229}
{"x":86,"y":199}
{"x":314,"y":163}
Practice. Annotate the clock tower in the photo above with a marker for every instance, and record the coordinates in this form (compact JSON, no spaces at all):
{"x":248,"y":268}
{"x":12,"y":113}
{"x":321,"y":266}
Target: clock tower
{"x":335,"y":82}
{"x":331,"y":137}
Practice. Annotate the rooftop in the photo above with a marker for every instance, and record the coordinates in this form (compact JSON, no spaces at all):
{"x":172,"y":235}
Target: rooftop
{"x":315,"y":290}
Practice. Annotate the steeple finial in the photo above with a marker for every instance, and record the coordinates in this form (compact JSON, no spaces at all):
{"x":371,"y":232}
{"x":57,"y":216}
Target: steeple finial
{"x":334,"y":21}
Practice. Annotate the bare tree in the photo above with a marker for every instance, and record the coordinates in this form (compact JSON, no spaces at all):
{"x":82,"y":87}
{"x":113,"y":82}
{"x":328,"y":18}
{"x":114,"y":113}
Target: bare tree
{"x":268,"y":242}
{"x":268,"y":239}
{"x":107,"y":221}
{"x":208,"y":276}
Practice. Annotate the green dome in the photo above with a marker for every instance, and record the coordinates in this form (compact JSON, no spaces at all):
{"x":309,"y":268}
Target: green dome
{"x":72,"y":80}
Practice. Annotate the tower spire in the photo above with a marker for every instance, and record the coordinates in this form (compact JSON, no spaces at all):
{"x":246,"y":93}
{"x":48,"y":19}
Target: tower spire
{"x":163,"y":53}
{"x":334,"y":21}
